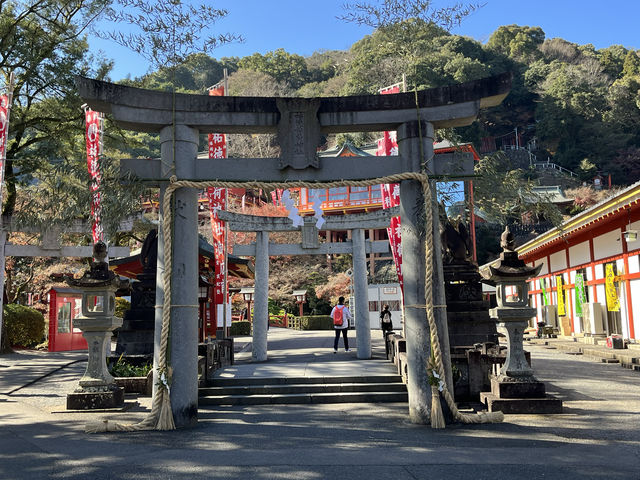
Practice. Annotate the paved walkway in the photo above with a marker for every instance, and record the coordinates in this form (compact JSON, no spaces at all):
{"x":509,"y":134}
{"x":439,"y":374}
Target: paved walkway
{"x":597,"y":436}
{"x":293,"y":353}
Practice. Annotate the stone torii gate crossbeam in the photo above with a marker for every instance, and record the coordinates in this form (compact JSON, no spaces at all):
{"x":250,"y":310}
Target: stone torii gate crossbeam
{"x":310,"y":246}
{"x":49,"y":247}
{"x":180,"y":118}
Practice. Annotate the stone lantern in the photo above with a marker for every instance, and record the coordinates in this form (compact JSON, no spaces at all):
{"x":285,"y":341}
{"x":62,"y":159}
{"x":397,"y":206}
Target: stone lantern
{"x":514,"y":389}
{"x":97,"y":388}
{"x":301,"y":298}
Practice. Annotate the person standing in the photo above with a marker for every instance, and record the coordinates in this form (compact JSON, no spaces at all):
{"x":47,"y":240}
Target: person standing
{"x":386,"y":325}
{"x":341,"y":317}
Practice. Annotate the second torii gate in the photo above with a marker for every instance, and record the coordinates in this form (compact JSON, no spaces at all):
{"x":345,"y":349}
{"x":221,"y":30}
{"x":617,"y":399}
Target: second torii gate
{"x":310,"y":245}
{"x":299,"y":123}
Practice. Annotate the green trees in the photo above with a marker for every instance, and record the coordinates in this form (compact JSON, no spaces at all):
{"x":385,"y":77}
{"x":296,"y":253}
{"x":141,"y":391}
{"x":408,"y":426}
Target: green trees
{"x":517,"y":42}
{"x":42,"y":43}
{"x":505,"y":194}
{"x":587,"y":103}
{"x":284,"y":67}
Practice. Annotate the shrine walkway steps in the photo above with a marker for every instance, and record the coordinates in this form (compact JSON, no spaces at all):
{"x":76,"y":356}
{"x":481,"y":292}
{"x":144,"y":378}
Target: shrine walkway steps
{"x":302,"y":368}
{"x":299,"y":390}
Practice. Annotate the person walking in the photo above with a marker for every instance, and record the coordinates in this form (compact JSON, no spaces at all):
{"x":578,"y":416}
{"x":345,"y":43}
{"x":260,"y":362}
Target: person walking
{"x":341,"y":317}
{"x":386,"y":325}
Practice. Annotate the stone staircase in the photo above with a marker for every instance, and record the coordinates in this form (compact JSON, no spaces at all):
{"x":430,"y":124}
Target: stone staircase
{"x":298,"y":390}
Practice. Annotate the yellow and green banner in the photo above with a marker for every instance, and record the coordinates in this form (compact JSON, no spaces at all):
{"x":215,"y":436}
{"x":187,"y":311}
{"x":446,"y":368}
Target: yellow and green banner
{"x":581,"y":296}
{"x":613,"y":302}
{"x":562,"y":311}
{"x":543,"y":287}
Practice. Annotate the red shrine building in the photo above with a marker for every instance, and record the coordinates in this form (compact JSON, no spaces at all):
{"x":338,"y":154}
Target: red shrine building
{"x":346,"y":200}
{"x":589,"y":285}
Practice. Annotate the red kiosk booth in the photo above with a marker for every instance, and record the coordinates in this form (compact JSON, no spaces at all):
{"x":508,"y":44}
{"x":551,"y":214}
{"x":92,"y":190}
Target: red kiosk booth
{"x":65,"y":304}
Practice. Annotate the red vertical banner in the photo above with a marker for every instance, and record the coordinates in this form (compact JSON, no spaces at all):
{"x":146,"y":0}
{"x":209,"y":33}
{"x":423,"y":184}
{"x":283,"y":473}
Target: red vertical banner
{"x":4,"y":134}
{"x":391,"y":198}
{"x":217,"y":202}
{"x":94,"y":149}
{"x":388,"y":145}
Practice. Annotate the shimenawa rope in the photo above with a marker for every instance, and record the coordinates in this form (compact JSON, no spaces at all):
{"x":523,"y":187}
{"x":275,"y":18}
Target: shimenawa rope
{"x":161,"y":417}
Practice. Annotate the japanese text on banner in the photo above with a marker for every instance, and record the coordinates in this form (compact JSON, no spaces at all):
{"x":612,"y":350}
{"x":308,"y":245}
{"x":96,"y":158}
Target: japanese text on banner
{"x":94,"y":149}
{"x":581,"y":296}
{"x":388,"y":145}
{"x":613,"y":302}
{"x":217,"y":202}
{"x":561,"y":302}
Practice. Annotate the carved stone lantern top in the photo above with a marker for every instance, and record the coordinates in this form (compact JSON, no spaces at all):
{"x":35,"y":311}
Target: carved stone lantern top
{"x":510,"y":274}
{"x":508,"y":266}
{"x":98,"y":274}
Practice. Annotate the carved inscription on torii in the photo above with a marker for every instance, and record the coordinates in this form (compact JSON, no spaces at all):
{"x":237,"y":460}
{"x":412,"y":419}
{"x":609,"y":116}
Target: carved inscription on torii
{"x":298,"y":132}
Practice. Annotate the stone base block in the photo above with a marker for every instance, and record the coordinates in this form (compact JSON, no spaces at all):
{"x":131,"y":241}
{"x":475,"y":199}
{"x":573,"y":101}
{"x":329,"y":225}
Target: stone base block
{"x":515,"y":389}
{"x":548,"y":404}
{"x":99,"y":400}
{"x":402,"y":366}
{"x":140,"y":385}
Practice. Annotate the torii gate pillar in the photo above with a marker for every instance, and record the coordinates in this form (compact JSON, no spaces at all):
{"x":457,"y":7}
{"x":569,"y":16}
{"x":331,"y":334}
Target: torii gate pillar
{"x":183,"y":340}
{"x":261,"y":299}
{"x":413,"y":216}
{"x":363,"y":328}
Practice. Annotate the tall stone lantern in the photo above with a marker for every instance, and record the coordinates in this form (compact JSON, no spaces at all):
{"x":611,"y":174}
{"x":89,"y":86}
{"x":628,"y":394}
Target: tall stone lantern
{"x":514,"y":389}
{"x":97,"y":388}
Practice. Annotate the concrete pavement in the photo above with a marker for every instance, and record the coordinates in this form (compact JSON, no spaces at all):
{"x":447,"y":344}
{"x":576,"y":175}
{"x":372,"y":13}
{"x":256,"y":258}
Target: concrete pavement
{"x":597,"y":436}
{"x":294,"y":353}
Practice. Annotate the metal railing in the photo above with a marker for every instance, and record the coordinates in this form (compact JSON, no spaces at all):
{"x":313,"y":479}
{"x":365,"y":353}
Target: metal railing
{"x":553,"y":166}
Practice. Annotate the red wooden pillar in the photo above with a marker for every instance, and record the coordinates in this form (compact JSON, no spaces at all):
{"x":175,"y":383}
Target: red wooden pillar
{"x":627,"y":285}
{"x":53,"y":320}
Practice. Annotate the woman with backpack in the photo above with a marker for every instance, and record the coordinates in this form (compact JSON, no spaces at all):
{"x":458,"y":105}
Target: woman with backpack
{"x":386,"y":325}
{"x":341,"y":317}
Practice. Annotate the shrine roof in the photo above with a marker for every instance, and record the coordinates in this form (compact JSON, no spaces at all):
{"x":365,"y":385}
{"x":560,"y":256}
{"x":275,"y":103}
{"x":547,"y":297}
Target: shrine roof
{"x":619,"y":205}
{"x":132,"y":266}
{"x":346,"y":150}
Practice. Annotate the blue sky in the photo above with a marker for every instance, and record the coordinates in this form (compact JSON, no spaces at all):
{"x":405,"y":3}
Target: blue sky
{"x":303,"y":26}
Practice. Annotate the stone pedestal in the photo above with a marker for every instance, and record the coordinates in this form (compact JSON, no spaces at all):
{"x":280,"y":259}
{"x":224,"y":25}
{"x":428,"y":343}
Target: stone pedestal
{"x":472,"y":333}
{"x":467,"y":313}
{"x":96,"y":398}
{"x":518,"y":396}
{"x":97,"y":388}
{"x":514,"y":389}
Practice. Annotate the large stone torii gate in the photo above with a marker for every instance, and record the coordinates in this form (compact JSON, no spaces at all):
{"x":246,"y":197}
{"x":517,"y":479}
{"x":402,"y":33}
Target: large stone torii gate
{"x":299,"y":122}
{"x":310,"y":245}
